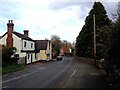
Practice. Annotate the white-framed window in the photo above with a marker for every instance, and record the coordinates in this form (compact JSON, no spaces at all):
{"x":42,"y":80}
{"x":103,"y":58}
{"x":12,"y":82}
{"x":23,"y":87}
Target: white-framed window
{"x":25,"y":44}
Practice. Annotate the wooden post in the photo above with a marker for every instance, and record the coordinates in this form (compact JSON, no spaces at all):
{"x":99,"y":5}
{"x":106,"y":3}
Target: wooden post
{"x":94,"y":39}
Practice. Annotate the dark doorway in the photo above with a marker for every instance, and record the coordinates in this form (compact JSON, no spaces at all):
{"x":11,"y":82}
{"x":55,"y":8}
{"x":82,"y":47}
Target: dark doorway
{"x":31,"y":57}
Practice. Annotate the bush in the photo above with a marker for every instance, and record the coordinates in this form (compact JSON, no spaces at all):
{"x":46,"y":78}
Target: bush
{"x":7,"y":52}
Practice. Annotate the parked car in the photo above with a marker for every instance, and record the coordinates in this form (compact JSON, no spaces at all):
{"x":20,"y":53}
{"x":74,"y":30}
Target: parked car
{"x":59,"y":58}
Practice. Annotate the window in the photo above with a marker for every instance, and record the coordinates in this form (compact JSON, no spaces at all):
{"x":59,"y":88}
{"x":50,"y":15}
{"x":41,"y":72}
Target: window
{"x":25,"y":44}
{"x":31,"y":45}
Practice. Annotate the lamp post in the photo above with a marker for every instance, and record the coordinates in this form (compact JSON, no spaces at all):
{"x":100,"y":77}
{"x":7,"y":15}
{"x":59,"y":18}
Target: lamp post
{"x":94,"y":39}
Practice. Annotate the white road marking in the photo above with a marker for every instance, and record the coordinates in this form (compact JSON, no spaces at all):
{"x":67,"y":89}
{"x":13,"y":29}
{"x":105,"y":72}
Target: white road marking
{"x":73,"y":73}
{"x":21,"y":76}
{"x":5,"y":87}
{"x":41,"y":68}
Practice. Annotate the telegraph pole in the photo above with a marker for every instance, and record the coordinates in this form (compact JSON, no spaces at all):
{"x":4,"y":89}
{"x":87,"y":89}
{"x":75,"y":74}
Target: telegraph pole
{"x":94,"y":39}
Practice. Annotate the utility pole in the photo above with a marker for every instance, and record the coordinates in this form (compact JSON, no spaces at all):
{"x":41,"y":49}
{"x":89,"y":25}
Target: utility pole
{"x":94,"y":39}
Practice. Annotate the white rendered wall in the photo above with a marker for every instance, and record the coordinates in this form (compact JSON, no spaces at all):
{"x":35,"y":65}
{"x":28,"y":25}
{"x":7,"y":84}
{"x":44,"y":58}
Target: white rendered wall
{"x":28,"y":45}
{"x":3,"y":40}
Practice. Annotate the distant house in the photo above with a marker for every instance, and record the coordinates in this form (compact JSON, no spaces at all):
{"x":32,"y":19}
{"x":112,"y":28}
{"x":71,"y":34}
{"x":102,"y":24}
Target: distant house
{"x":65,"y":50}
{"x":24,"y":44}
{"x":43,"y":49}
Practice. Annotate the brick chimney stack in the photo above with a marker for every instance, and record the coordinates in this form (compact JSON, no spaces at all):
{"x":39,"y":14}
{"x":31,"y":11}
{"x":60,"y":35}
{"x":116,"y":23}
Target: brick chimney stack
{"x":26,"y":33}
{"x":9,"y":39}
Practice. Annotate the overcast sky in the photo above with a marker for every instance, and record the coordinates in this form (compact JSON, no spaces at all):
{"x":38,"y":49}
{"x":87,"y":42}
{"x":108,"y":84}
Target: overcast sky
{"x":44,"y":18}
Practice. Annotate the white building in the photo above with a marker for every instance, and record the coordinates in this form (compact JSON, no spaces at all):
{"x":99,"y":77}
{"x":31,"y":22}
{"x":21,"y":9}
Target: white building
{"x":24,"y":44}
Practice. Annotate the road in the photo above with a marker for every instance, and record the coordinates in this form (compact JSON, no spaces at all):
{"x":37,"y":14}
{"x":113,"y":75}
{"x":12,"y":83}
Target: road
{"x":67,"y":73}
{"x":85,"y":75}
{"x":41,"y":75}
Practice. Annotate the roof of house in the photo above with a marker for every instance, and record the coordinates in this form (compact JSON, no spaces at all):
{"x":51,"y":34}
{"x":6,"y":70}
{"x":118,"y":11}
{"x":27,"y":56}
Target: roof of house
{"x":3,"y":35}
{"x":20,"y":36}
{"x":41,"y":45}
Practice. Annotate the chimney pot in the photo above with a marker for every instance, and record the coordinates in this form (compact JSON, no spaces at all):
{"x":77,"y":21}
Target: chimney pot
{"x":8,"y":21}
{"x":26,"y":32}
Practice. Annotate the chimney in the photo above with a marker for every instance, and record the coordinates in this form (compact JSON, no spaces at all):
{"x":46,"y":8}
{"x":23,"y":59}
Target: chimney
{"x":9,"y":39}
{"x":26,"y":33}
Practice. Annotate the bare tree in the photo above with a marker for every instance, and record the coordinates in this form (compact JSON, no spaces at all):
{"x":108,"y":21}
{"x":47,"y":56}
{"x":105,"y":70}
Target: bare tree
{"x":56,"y":44}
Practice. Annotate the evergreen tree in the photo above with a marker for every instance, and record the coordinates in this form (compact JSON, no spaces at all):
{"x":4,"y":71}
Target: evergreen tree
{"x":84,"y":41}
{"x":113,"y":54}
{"x":114,"y":44}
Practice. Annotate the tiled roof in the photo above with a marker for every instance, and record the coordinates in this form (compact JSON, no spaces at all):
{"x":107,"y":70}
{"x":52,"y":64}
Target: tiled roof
{"x":20,"y":36}
{"x":41,"y":45}
{"x":3,"y":35}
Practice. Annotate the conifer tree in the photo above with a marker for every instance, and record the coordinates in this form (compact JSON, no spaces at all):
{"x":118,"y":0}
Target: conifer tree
{"x":84,"y":41}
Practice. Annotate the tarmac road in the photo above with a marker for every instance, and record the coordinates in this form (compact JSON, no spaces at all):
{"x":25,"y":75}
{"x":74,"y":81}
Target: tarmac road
{"x":40,"y":75}
{"x":86,"y":76}
{"x":67,"y":73}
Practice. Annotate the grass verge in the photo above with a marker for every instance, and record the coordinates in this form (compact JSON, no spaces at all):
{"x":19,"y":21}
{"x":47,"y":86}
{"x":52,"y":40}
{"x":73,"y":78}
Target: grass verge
{"x":12,"y":68}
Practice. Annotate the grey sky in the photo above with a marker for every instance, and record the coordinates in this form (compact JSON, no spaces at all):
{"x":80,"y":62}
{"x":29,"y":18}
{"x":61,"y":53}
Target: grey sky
{"x":44,"y":18}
